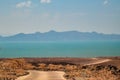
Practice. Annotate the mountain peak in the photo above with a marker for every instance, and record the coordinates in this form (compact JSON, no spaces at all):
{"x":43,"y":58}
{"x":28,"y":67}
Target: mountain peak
{"x":51,"y":31}
{"x":37,"y":32}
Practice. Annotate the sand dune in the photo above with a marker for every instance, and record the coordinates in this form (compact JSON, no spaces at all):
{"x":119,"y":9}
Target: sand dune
{"x":43,"y":75}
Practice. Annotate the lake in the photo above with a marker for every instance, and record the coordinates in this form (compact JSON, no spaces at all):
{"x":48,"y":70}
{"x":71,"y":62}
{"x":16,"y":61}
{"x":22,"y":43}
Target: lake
{"x":59,"y":49}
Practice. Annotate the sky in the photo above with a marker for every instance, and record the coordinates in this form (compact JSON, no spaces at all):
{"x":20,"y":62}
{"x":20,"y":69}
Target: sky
{"x":29,"y":16}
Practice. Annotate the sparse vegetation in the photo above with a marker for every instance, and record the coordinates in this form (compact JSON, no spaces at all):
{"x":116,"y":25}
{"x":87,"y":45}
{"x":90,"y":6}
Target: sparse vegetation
{"x":10,"y":69}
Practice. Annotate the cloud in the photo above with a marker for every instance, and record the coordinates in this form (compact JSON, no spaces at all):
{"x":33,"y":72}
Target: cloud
{"x":45,"y":1}
{"x":105,"y":2}
{"x":24,"y":4}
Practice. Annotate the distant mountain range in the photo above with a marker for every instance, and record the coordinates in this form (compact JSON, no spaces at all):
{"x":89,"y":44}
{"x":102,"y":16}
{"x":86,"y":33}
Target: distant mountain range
{"x":61,"y":36}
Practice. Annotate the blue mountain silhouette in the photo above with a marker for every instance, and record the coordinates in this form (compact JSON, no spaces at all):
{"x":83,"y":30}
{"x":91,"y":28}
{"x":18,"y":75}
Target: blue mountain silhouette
{"x":61,"y":36}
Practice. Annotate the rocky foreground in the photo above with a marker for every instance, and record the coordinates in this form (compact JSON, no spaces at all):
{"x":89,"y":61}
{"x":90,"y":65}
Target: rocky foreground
{"x":102,"y":68}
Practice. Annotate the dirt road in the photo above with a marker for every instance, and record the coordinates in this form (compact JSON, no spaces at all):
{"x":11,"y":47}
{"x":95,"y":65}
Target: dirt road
{"x":98,"y":61}
{"x":43,"y":75}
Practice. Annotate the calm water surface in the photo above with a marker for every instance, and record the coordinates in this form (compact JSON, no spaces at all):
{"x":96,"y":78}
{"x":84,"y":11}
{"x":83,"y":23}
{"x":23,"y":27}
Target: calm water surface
{"x":60,"y":49}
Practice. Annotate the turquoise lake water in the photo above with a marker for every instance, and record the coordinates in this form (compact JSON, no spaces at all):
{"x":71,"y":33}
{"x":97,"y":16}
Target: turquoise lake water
{"x":59,"y":49}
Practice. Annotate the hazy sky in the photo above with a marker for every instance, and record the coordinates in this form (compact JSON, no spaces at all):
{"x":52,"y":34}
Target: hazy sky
{"x":28,"y":16}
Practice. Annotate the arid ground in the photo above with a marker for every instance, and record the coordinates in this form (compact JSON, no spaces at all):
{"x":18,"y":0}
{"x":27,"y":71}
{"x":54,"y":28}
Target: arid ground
{"x":60,"y":68}
{"x":43,"y":75}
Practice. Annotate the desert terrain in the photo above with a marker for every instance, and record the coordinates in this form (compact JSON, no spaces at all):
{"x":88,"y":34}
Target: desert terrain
{"x":43,"y":75}
{"x":60,"y":68}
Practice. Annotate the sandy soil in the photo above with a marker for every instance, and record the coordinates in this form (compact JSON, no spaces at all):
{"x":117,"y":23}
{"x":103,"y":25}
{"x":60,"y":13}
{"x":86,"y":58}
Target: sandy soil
{"x":43,"y":75}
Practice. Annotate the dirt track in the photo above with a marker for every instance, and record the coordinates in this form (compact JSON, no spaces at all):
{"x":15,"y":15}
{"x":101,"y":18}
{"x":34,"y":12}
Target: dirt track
{"x":97,"y":61}
{"x":43,"y":75}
